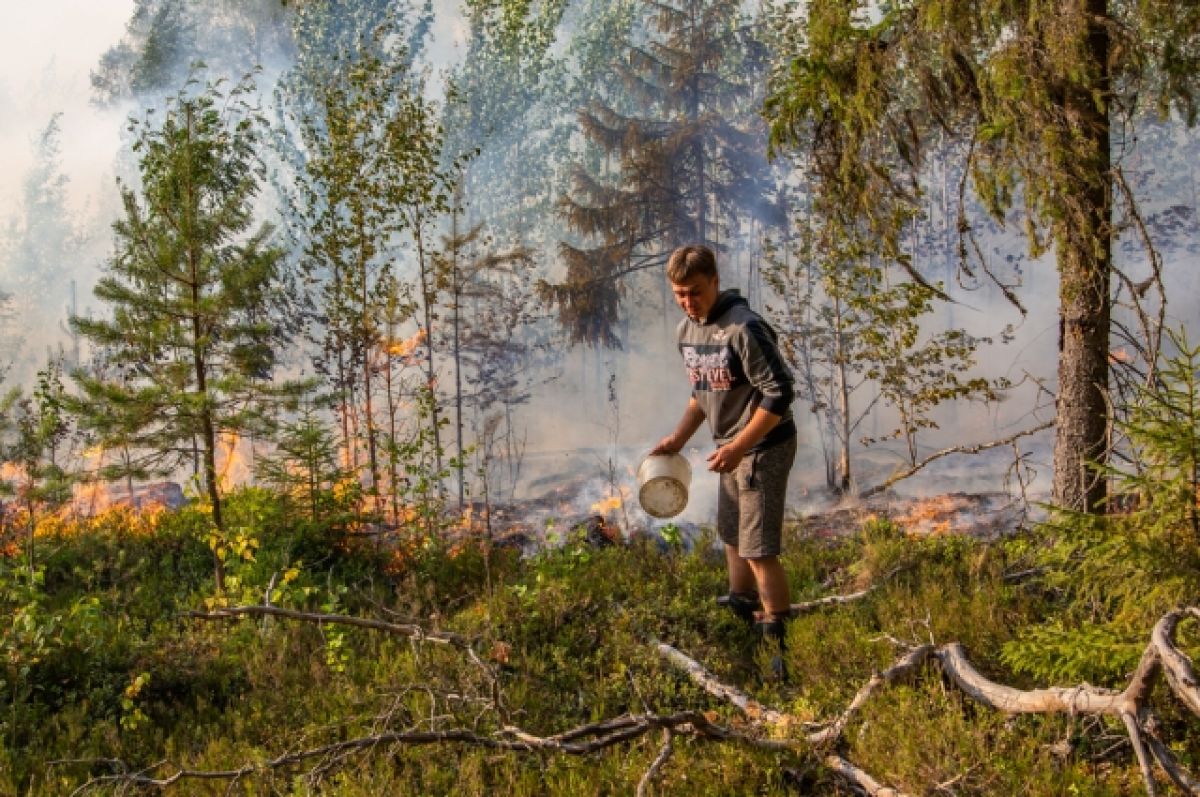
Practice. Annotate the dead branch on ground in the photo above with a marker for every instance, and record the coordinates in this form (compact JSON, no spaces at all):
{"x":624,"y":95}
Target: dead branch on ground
{"x":408,"y":630}
{"x":1130,"y":706}
{"x":777,"y":720}
{"x":840,"y":600}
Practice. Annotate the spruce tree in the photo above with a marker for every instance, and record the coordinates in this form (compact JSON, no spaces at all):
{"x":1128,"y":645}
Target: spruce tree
{"x":190,"y":287}
{"x":683,"y":157}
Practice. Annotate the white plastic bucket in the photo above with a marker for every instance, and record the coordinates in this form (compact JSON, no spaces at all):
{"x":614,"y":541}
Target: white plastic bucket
{"x":663,"y":481}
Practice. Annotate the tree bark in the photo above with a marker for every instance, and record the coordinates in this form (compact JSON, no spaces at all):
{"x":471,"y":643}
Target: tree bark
{"x":1084,"y":252}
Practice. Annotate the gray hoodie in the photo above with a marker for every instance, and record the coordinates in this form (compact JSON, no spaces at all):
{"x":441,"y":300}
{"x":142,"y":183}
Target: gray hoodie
{"x":733,"y":362}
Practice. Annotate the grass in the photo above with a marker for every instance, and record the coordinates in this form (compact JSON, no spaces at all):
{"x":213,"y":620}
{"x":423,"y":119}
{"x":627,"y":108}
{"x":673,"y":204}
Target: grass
{"x":102,"y":665}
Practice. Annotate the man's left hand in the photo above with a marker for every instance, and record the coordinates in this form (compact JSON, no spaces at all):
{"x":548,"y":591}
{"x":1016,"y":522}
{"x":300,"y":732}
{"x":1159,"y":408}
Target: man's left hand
{"x":725,"y":459}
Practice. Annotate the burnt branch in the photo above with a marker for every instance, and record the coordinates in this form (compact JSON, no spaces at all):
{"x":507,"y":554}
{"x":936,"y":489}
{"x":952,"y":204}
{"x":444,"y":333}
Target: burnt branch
{"x":904,"y":473}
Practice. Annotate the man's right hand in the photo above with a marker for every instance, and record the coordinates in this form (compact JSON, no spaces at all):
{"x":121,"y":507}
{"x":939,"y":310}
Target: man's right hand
{"x":667,"y":445}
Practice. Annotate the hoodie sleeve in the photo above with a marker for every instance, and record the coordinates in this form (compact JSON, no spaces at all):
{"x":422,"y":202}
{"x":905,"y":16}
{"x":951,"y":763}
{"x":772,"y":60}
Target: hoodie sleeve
{"x":763,"y":365}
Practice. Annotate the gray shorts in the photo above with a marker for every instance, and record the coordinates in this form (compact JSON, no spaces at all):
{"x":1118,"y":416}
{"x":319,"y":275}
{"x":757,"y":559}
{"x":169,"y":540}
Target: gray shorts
{"x":750,"y":501}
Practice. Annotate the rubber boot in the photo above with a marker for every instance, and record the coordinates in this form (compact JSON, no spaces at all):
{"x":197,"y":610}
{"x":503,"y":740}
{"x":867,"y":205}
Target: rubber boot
{"x":743,"y":604}
{"x":772,"y":630}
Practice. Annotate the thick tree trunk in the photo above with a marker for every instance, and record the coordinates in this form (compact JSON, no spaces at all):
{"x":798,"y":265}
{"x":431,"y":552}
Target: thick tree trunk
{"x":1084,"y":250}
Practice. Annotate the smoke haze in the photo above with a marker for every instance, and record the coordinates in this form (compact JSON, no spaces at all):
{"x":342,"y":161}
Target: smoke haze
{"x":47,"y":51}
{"x":605,"y":408}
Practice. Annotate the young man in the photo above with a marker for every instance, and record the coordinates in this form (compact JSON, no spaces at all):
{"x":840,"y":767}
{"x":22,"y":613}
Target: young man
{"x":741,"y":385}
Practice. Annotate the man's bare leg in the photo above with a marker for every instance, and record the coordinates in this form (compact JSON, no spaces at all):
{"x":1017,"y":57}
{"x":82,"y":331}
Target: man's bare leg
{"x":741,"y":577}
{"x":772,"y":584}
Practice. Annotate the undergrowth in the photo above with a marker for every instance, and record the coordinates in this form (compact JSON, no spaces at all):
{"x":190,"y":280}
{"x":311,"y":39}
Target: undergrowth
{"x":104,"y":669}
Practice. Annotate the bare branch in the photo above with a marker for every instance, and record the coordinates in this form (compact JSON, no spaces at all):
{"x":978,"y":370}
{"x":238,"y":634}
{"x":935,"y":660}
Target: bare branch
{"x":709,"y":683}
{"x":860,"y":779}
{"x":1177,"y":667}
{"x":830,"y":600}
{"x":903,"y":667}
{"x":1139,"y":750}
{"x":408,"y":630}
{"x":900,"y":475}
{"x":1084,"y":699}
{"x":1166,"y":759}
{"x":761,"y":715}
{"x":510,"y":739}
{"x":839,"y":600}
{"x":1151,"y":329}
{"x":656,"y":765}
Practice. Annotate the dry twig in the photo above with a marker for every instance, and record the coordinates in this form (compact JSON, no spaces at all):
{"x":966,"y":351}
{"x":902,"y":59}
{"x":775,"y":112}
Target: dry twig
{"x":409,"y":630}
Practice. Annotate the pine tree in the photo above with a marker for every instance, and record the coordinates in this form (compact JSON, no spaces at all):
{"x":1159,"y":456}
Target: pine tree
{"x":1034,"y":92}
{"x":191,"y":286}
{"x":684,"y":157}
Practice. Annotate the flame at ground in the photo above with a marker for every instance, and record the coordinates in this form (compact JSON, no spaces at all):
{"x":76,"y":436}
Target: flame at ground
{"x":612,"y":503}
{"x":932,"y":515}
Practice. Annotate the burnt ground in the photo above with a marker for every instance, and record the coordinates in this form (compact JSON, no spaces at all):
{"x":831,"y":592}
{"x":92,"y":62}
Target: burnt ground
{"x":556,"y":516}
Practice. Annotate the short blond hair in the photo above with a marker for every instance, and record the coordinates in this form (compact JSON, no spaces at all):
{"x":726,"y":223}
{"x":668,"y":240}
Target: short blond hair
{"x":691,"y":261}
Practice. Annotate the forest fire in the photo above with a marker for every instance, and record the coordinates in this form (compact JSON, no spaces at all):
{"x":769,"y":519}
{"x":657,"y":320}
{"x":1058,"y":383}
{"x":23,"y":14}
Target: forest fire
{"x":11,"y":471}
{"x":980,"y":515}
{"x":234,"y":460}
{"x":406,"y":347}
{"x":610,"y":504}
{"x":932,"y":515}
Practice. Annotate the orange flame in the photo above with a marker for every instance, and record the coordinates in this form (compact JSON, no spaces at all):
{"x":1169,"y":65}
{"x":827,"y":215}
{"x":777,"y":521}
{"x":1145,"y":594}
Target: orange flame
{"x":932,"y":515}
{"x":612,"y":503}
{"x":606,"y":505}
{"x":405,"y":348}
{"x":233,"y":461}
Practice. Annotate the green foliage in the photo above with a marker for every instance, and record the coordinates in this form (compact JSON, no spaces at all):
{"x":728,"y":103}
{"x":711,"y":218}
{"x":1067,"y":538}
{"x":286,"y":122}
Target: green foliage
{"x":368,"y":185}
{"x":1115,"y":575}
{"x":33,"y":434}
{"x":1027,"y":99}
{"x":193,"y":291}
{"x":847,"y":325}
{"x":304,"y":465}
{"x":109,"y":667}
{"x":676,"y":156}
{"x":915,"y":374}
{"x":164,"y":37}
